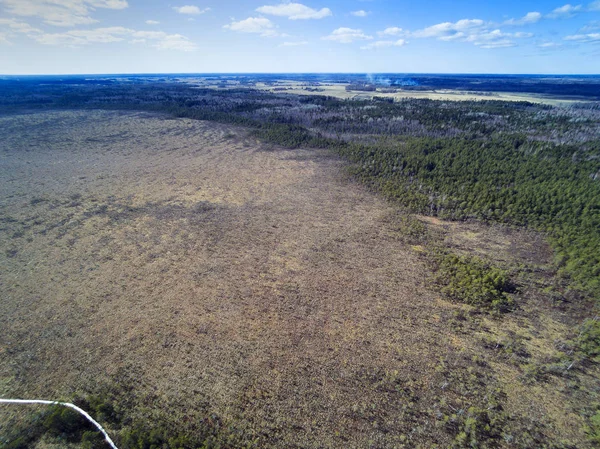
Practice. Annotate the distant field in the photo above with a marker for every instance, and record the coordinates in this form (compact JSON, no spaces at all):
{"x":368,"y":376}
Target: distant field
{"x":223,"y":276}
{"x":339,"y":91}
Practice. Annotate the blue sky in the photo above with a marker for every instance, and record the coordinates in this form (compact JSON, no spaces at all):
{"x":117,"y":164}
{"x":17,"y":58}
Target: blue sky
{"x":366,"y":36}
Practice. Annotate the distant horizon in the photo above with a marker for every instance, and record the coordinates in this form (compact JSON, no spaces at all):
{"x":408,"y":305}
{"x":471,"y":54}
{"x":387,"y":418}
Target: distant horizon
{"x":300,"y":73}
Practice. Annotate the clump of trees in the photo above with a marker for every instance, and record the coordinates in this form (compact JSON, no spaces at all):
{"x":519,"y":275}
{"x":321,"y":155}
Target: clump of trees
{"x":361,"y":87}
{"x":62,"y":425}
{"x":472,"y":280}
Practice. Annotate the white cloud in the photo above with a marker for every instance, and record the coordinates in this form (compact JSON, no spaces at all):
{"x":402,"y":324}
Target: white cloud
{"x":61,"y":12}
{"x":449,"y":28}
{"x":111,"y":4}
{"x":293,"y":44}
{"x":258,"y":25}
{"x":503,"y":43}
{"x":495,"y":39}
{"x":592,"y":26}
{"x":294,"y":11}
{"x":474,"y":31}
{"x":453,"y":37}
{"x":383,"y":44}
{"x":584,"y":38}
{"x":18,"y":27}
{"x":392,"y":31}
{"x":347,"y":36}
{"x":84,"y":37}
{"x":360,"y":13}
{"x":549,"y":45}
{"x":191,"y":10}
{"x":14,"y":26}
{"x":157,"y":39}
{"x":152,"y":22}
{"x":594,"y":6}
{"x":149,"y":34}
{"x":174,"y":42}
{"x":530,"y":17}
{"x":564,"y":12}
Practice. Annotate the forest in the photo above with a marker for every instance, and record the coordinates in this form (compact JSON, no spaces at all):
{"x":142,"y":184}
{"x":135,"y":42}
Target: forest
{"x":564,"y":86}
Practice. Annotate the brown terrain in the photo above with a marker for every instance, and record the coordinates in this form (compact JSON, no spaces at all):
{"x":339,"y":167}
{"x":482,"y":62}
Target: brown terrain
{"x":225,"y":276}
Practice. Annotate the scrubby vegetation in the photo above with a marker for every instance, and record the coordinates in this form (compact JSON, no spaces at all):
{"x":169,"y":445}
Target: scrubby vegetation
{"x":545,"y":186}
{"x":588,"y":340}
{"x":62,"y":425}
{"x":475,"y":282}
{"x":517,"y":164}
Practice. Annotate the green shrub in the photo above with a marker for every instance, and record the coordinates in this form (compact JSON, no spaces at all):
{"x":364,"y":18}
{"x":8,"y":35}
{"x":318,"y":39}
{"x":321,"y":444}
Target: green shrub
{"x":475,"y":428}
{"x":64,"y":422}
{"x":22,"y":442}
{"x":589,"y":339}
{"x":593,"y":429}
{"x":471,"y":280}
{"x":93,"y":440}
{"x":100,"y":408}
{"x":156,"y":438}
{"x":409,"y":228}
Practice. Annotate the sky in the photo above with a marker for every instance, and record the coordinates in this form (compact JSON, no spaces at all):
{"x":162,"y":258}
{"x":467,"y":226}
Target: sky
{"x":274,"y":36}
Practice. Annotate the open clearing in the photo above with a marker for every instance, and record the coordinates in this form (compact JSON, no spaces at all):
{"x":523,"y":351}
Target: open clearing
{"x":339,"y":91}
{"x":226,"y":276}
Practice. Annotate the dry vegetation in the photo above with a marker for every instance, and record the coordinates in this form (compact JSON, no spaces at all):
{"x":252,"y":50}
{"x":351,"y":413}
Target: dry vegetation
{"x":218,"y":276}
{"x":340,"y":91}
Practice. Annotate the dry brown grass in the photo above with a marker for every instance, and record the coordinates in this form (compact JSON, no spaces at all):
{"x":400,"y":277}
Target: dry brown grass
{"x":226,"y":277}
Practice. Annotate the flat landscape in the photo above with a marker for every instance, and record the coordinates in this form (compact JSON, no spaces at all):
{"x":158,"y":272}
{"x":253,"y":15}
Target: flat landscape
{"x":340,"y":91}
{"x":293,"y":224}
{"x":195,"y":274}
{"x":227,"y":276}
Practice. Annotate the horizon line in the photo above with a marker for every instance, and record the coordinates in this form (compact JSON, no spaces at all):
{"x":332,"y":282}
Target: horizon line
{"x":295,"y":73}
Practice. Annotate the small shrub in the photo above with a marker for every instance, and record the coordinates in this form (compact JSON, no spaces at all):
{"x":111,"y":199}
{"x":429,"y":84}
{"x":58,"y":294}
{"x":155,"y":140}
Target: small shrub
{"x":588,"y":341}
{"x":103,"y":410}
{"x":473,"y":281}
{"x":18,"y":443}
{"x":475,"y":428}
{"x":37,"y":200}
{"x":66,"y":423}
{"x":593,"y":429}
{"x":140,"y":437}
{"x":93,"y":440}
{"x":409,"y":228}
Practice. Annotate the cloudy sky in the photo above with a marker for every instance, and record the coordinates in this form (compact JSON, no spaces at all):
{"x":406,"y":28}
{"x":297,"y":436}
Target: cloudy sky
{"x":152,"y":36}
